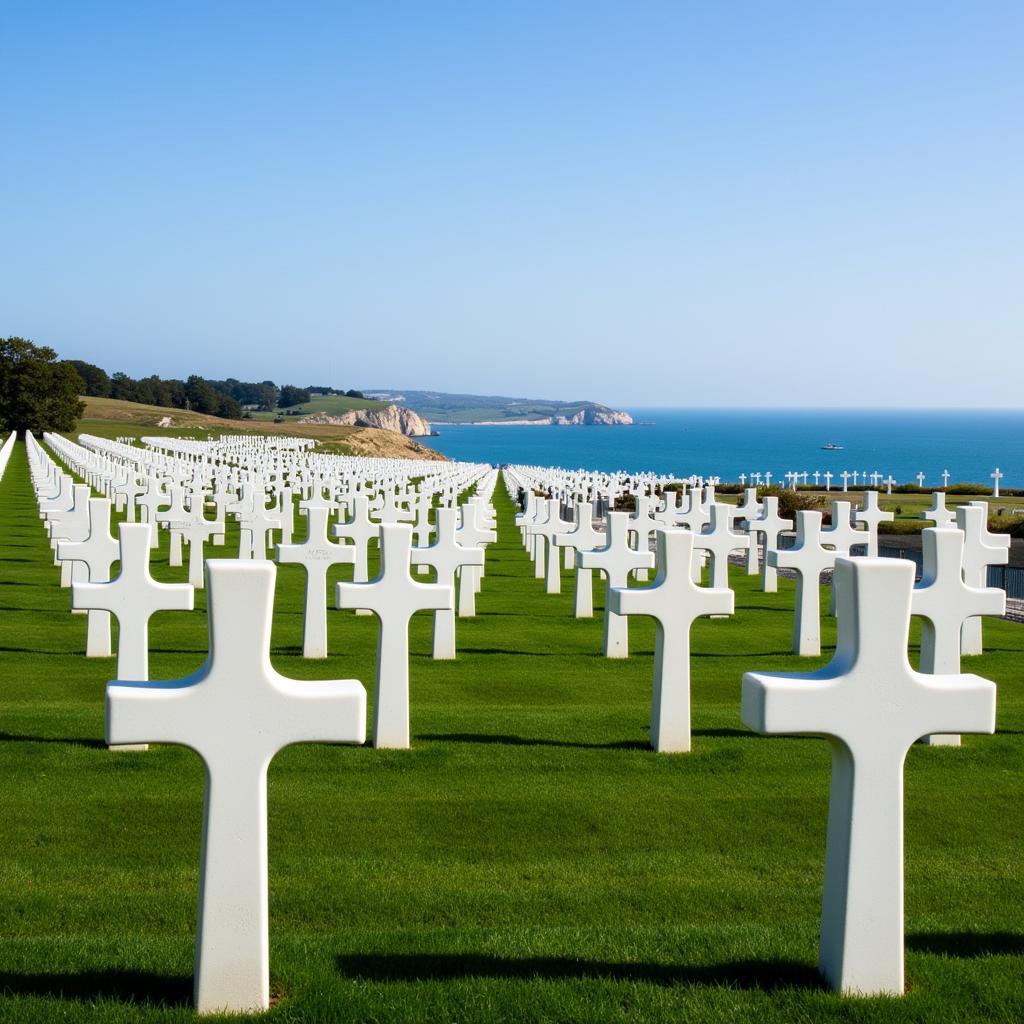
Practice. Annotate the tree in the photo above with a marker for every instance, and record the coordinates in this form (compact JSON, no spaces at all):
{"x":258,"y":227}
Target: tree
{"x":123,"y":388}
{"x":97,"y":381}
{"x":354,"y":394}
{"x":291,"y":395}
{"x":37,"y":392}
{"x":201,"y":397}
{"x":228,"y":408}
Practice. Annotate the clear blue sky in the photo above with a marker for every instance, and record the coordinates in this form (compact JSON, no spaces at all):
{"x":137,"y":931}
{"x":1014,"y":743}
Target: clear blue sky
{"x":638,"y":203}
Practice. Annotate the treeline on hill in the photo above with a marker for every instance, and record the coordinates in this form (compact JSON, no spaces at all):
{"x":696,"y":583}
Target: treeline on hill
{"x":225,"y":398}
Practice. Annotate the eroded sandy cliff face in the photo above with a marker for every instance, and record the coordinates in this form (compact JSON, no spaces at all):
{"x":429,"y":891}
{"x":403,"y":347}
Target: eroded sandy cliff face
{"x":401,"y":421}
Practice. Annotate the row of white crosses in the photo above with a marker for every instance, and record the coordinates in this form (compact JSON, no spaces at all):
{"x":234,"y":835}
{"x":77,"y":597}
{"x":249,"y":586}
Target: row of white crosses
{"x":674,"y":599}
{"x":232,"y":946}
{"x":5,"y":451}
{"x":852,"y":703}
{"x":133,"y":597}
{"x":221,"y":983}
{"x":861,"y":948}
{"x":816,"y":550}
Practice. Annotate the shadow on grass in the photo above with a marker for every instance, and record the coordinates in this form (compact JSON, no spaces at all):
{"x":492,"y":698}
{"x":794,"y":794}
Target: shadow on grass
{"x":744,"y":974}
{"x":525,"y":741}
{"x":530,"y":654}
{"x":88,"y":986}
{"x":726,"y":734}
{"x":967,"y":945}
{"x":9,"y":737}
{"x":788,"y":653}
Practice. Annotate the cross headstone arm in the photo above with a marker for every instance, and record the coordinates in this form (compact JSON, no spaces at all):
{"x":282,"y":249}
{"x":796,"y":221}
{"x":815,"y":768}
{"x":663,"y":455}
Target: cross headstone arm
{"x":957,"y":703}
{"x":775,"y":704}
{"x":178,"y":597}
{"x":319,"y":711}
{"x":133,"y":716}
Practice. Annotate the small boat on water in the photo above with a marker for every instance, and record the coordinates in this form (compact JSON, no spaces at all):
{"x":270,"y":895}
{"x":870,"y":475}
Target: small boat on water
{"x":831,"y":446}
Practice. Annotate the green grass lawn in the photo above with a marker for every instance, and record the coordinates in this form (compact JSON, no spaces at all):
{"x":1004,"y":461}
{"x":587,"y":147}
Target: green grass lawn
{"x":332,"y":405}
{"x":530,"y":859}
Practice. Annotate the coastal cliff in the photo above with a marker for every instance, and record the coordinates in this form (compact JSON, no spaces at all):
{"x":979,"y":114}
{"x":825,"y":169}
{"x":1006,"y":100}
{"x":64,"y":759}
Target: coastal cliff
{"x":589,"y":417}
{"x":399,"y":420}
{"x":594,"y":417}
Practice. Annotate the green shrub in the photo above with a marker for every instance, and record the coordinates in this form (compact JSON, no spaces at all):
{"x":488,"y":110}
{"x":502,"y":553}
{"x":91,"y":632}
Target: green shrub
{"x":968,"y":489}
{"x":904,"y":526}
{"x":791,"y":502}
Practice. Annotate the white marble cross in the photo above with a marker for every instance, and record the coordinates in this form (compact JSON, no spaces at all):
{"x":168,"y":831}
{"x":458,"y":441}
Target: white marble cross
{"x":394,"y":596}
{"x":583,"y":537}
{"x":535,"y":530}
{"x":828,"y":481}
{"x":547,"y":530}
{"x":196,"y":535}
{"x":945,"y":478}
{"x":871,"y":706}
{"x":769,"y":525}
{"x":981,"y":549}
{"x":842,"y":536}
{"x":996,"y":476}
{"x":446,"y":556}
{"x":360,"y":530}
{"x":920,"y":479}
{"x":71,"y":524}
{"x":871,"y":515}
{"x":616,"y":560}
{"x":472,"y":533}
{"x":528,"y":517}
{"x":236,"y":712}
{"x":125,"y":494}
{"x":97,"y":552}
{"x":720,"y":541}
{"x":946,"y":602}
{"x":423,"y":529}
{"x":749,"y":511}
{"x":316,"y":554}
{"x":667,"y":514}
{"x":846,"y":479}
{"x":642,"y":524}
{"x":673,"y":601}
{"x":175,"y":518}
{"x":149,"y":503}
{"x":938,"y":513}
{"x":808,"y":558}
{"x":133,"y":597}
{"x":696,"y":516}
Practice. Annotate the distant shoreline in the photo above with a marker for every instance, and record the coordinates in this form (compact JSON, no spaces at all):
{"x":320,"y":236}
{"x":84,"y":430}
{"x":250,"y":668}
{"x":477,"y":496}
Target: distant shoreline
{"x":525,"y":423}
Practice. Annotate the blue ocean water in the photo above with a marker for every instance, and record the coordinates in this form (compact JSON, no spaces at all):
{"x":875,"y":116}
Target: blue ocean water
{"x":727,"y":442}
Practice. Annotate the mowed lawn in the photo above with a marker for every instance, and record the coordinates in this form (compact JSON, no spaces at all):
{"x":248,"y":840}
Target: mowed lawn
{"x":529,"y":859}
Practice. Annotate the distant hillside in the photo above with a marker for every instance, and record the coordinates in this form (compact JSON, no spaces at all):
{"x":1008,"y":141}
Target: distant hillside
{"x":438,"y":407}
{"x":109,"y":417}
{"x":322,"y":405}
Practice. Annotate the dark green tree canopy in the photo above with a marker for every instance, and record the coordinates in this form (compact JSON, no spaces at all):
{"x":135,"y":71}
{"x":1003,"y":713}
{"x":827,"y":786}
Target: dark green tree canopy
{"x":291,"y":395}
{"x":228,"y":398}
{"x":97,"y":380}
{"x":37,"y":392}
